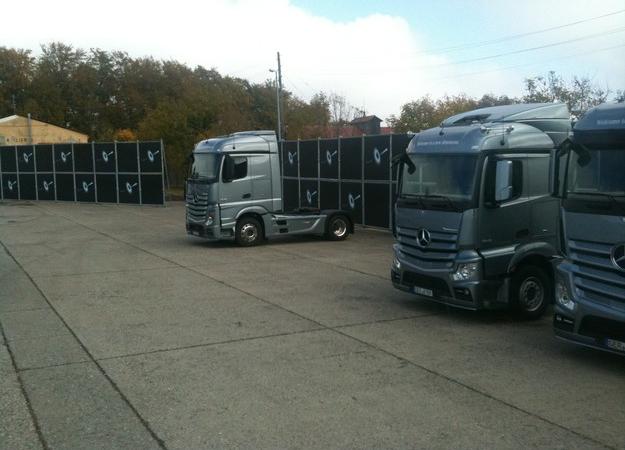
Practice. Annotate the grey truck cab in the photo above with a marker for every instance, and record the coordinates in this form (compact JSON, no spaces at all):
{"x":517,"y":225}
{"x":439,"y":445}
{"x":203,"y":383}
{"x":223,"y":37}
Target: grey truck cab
{"x":590,"y":280}
{"x":234,"y":192}
{"x":476,"y":226}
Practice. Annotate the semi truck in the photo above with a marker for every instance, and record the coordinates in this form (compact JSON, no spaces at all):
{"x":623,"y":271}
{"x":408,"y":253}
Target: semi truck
{"x":476,"y":226}
{"x":234,"y":192}
{"x":590,"y":279}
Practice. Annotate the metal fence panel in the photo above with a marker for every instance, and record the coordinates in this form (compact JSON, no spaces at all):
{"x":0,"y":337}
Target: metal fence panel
{"x":123,"y":172}
{"x":355,"y":174}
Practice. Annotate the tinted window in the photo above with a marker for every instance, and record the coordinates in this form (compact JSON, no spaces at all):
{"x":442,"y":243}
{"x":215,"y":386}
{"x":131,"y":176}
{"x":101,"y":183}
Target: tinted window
{"x":538,"y":169}
{"x":240,"y":167}
{"x":449,"y":175}
{"x":603,"y":172}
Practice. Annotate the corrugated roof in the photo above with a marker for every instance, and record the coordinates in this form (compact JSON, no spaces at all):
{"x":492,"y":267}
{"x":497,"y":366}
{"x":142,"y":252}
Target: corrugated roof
{"x":9,"y":118}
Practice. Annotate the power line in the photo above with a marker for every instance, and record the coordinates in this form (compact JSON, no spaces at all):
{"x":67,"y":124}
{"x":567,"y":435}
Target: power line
{"x":517,"y":36}
{"x":501,"y":55}
{"x":529,"y":49}
{"x":501,"y":69}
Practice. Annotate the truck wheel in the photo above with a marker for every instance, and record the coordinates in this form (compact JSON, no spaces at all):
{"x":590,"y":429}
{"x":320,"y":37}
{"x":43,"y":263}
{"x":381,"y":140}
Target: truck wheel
{"x":248,"y":232}
{"x":338,"y":228}
{"x":531,"y":292}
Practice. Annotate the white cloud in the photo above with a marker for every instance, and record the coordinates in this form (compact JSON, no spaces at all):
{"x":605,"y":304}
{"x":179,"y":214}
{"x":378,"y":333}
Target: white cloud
{"x":377,"y":62}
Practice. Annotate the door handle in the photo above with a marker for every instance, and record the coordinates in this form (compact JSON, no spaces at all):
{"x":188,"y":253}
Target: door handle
{"x":525,"y":232}
{"x":248,"y":195}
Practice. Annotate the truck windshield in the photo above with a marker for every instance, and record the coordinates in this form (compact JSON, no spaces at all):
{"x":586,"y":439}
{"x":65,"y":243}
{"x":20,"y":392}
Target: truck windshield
{"x":440,"y":180}
{"x":205,"y":167}
{"x":601,"y":172}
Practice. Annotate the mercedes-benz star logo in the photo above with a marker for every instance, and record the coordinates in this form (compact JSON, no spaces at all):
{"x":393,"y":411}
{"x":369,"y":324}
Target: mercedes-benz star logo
{"x":618,"y":256}
{"x":423,"y":237}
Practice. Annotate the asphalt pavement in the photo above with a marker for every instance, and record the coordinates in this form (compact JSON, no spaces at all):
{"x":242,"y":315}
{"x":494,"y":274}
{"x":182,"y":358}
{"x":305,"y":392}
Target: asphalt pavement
{"x":120,"y":331}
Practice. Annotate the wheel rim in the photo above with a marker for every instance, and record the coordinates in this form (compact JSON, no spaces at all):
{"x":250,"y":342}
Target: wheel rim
{"x":339,"y":227}
{"x":531,"y":294}
{"x":249,"y":232}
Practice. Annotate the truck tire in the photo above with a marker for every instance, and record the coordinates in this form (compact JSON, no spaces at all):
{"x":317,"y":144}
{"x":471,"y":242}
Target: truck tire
{"x":249,"y":232}
{"x":531,"y":292}
{"x":338,"y":228}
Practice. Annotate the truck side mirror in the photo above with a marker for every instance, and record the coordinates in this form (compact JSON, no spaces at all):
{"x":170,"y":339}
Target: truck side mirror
{"x":504,"y":182}
{"x":402,"y":159}
{"x":228,"y":169}
{"x":504,"y":189}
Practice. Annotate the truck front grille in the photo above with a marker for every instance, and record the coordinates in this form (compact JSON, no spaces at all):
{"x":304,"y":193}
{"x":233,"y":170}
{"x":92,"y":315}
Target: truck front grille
{"x":196,"y":204}
{"x":594,"y":275}
{"x":439,"y":254}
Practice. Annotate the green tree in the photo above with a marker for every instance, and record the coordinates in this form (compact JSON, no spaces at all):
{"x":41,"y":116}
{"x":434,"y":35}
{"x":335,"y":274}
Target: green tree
{"x":16,"y":72}
{"x":580,"y":94}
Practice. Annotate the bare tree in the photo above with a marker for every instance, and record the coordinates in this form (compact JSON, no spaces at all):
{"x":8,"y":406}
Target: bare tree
{"x":341,"y":112}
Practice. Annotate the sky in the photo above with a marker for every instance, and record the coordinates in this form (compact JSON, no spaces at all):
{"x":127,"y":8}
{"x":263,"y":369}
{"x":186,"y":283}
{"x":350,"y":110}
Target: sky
{"x":379,"y":55}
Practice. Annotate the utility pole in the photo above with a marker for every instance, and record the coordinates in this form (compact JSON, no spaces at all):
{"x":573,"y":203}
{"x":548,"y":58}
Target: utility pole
{"x":280,"y":106}
{"x":30,"y":129}
{"x":14,"y":105}
{"x":278,"y":96}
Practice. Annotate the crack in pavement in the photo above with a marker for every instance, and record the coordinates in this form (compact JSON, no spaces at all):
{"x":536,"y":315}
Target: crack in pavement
{"x":143,"y":421}
{"x":361,"y":341}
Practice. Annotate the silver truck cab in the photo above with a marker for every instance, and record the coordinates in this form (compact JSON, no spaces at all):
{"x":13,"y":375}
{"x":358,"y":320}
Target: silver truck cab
{"x":475,"y":224}
{"x":234,"y":192}
{"x":590,"y":280}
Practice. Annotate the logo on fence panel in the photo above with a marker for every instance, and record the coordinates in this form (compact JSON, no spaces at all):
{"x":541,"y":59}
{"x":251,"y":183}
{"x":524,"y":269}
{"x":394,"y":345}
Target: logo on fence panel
{"x":11,"y":184}
{"x":377,"y":155}
{"x":86,"y":186}
{"x":310,"y":196}
{"x":351,"y":199}
{"x":26,"y":157}
{"x":130,"y":187}
{"x":152,"y":155}
{"x":106,"y":156}
{"x":64,"y":156}
{"x":292,"y":157}
{"x":330,"y":156}
{"x":47,"y":185}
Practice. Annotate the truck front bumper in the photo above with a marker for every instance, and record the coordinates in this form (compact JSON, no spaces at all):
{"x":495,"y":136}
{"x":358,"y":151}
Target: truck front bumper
{"x":438,"y":286}
{"x":200,"y":230}
{"x":590,"y":323}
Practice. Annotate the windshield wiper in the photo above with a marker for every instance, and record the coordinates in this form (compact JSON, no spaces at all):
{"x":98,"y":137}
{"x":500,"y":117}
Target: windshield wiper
{"x":417,"y":197}
{"x":449,"y":201}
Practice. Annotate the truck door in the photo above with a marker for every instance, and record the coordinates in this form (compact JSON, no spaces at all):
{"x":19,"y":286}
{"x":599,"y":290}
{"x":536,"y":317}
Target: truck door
{"x":235,"y":190}
{"x":544,"y":208}
{"x":261,"y":181}
{"x":504,"y":213}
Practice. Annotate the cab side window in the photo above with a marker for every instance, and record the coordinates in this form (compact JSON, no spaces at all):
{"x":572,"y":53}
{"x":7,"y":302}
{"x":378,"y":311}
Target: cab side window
{"x":240,"y":167}
{"x":538,"y":170}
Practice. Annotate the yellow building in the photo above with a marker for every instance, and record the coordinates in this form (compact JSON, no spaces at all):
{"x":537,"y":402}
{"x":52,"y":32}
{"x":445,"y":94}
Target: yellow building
{"x":18,"y":130}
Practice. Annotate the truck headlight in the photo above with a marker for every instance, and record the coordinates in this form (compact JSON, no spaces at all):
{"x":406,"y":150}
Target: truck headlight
{"x":396,"y":264}
{"x":563,"y":297}
{"x":466,"y":271}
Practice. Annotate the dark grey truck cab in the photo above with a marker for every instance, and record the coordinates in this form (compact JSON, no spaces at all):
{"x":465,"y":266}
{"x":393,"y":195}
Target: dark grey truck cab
{"x":475,"y":224}
{"x":590,"y":280}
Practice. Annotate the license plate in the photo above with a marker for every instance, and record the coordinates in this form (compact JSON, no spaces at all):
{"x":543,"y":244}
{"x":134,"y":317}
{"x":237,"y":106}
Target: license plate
{"x":422,"y":291}
{"x":615,"y":345}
